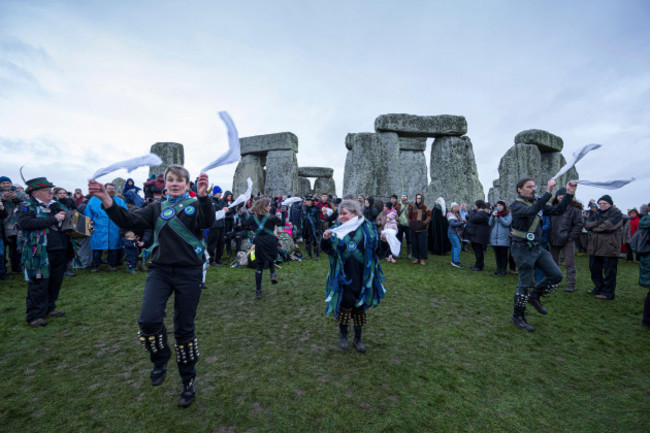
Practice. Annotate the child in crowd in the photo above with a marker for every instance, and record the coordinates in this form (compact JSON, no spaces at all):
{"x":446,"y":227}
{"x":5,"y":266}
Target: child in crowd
{"x":132,"y":251}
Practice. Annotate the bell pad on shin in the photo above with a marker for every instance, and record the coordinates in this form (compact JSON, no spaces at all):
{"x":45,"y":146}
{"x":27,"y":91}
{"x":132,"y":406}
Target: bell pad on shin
{"x":345,"y":316}
{"x":153,"y":343}
{"x":550,"y":289}
{"x":187,"y":353}
{"x":521,"y":300}
{"x":359,"y":317}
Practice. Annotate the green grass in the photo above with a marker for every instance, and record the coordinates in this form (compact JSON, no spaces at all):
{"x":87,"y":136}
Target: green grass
{"x":442,"y":356}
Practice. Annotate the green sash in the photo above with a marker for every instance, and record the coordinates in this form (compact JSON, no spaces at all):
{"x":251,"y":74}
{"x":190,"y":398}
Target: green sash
{"x":530,"y":234}
{"x":168,"y":216}
{"x":260,"y":226}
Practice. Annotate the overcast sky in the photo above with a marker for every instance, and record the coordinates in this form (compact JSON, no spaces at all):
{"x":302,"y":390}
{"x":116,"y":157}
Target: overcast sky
{"x":84,"y":84}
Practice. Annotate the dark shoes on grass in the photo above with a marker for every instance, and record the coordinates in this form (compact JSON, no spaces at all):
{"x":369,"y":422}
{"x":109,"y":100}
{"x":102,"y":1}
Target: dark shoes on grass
{"x":188,"y":394}
{"x":158,"y":375}
{"x":37,"y":322}
{"x":520,"y":321}
{"x":56,"y":314}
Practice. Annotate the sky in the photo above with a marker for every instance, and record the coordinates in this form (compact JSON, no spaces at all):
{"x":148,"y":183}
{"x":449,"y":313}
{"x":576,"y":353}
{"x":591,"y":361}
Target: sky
{"x":84,"y":84}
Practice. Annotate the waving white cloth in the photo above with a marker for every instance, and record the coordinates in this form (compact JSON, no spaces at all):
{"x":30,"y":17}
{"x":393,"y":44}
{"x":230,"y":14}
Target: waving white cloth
{"x":233,"y":154}
{"x":149,"y":160}
{"x":577,"y":156}
{"x":291,"y":200}
{"x":393,"y":243}
{"x":347,"y":227}
{"x":607,"y":184}
{"x":241,"y":199}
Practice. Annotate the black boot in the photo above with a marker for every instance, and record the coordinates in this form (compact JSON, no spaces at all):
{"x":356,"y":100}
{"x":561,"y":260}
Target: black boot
{"x":274,"y":278}
{"x":520,"y":321}
{"x":258,"y":284}
{"x":188,"y":393}
{"x":308,"y":250}
{"x":158,"y":375}
{"x":358,"y":344}
{"x":343,"y":337}
{"x":536,"y":303}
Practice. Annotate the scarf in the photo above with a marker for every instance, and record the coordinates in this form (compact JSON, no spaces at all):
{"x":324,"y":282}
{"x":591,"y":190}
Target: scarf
{"x":173,"y":200}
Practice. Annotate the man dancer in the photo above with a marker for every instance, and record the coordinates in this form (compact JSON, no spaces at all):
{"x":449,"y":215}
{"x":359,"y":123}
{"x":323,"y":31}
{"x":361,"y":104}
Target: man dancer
{"x":527,"y":213}
{"x":177,"y":257}
{"x":45,"y":250}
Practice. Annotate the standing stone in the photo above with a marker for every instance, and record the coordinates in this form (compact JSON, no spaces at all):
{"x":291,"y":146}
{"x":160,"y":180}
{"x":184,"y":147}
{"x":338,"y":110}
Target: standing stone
{"x":521,"y":160}
{"x":281,"y":173}
{"x":371,"y":166}
{"x":304,"y":187}
{"x":324,"y":185}
{"x":170,"y":153}
{"x":413,"y":143}
{"x":119,"y":184}
{"x":409,"y":125}
{"x":315,"y":172}
{"x":413,"y":168}
{"x":250,"y":166}
{"x":453,"y":171}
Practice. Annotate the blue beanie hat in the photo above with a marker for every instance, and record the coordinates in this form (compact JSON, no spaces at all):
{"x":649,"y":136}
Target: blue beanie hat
{"x":216,"y":189}
{"x":5,"y":179}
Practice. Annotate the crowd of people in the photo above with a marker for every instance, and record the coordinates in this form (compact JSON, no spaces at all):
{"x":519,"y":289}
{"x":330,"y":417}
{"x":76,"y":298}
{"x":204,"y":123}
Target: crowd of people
{"x":176,"y":229}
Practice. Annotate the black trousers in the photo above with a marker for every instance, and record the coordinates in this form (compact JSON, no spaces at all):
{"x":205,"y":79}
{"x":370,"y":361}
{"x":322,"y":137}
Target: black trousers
{"x":185,"y":284}
{"x":501,"y":256}
{"x":404,"y":231}
{"x":216,"y":242}
{"x":419,"y":245}
{"x":42,"y":293}
{"x":600,"y":266}
{"x":13,"y":255}
{"x":479,"y":250}
{"x":112,"y":257}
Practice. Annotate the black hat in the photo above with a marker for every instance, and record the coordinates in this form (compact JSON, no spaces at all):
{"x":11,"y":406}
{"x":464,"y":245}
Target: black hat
{"x":607,"y":198}
{"x":561,"y":191}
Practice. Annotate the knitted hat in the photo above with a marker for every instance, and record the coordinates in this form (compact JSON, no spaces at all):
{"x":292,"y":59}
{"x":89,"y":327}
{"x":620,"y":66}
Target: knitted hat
{"x":453,"y":203}
{"x":5,"y":179}
{"x":502,"y":203}
{"x":216,"y":190}
{"x":561,"y":191}
{"x":607,"y":198}
{"x":38,"y":183}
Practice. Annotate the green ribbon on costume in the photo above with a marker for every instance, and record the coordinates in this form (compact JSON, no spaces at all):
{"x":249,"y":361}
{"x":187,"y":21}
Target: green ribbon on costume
{"x":33,"y":245}
{"x":530,"y":234}
{"x":260,"y":226}
{"x":168,"y":216}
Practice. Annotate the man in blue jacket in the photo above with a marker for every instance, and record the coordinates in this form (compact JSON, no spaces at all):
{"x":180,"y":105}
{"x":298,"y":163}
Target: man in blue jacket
{"x":106,"y":234}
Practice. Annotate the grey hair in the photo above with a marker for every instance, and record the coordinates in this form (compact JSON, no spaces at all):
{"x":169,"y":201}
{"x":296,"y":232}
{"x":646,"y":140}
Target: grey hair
{"x":352,"y":206}
{"x":644,"y":209}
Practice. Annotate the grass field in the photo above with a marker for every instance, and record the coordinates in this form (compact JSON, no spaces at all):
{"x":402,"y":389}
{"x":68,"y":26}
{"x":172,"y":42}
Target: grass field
{"x":442,"y":356}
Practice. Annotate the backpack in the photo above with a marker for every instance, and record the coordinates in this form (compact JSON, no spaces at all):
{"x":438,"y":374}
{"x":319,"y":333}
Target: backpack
{"x":640,"y":242}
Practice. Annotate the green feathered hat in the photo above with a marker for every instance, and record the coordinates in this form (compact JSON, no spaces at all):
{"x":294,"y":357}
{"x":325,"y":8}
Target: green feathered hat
{"x":37,"y":183}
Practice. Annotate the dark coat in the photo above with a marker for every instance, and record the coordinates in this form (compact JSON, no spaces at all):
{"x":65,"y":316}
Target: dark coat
{"x":606,"y":232}
{"x":479,"y":226}
{"x":644,"y":267}
{"x":566,"y":227}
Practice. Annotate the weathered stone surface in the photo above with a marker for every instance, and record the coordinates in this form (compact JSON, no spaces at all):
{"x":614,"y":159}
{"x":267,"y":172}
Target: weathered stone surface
{"x":410,"y":125}
{"x":370,"y":167}
{"x":521,"y":160}
{"x":315,"y":172}
{"x":250,"y":166}
{"x":260,"y":144}
{"x":545,"y":141}
{"x":304,"y":187}
{"x":413,"y":168}
{"x":413,"y":143}
{"x":453,"y":171}
{"x":281,"y":172}
{"x":170,"y":153}
{"x":324,"y":185}
{"x":119,"y":184}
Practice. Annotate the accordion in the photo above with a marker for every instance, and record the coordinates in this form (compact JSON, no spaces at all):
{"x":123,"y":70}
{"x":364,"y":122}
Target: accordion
{"x":76,"y":225}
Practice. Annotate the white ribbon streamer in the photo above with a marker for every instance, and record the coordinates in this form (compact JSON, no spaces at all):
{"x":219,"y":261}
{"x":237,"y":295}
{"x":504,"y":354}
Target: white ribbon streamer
{"x":577,"y":156}
{"x":233,"y":154}
{"x":149,"y":160}
{"x":606,"y":184}
{"x":220,"y":214}
{"x":291,"y":200}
